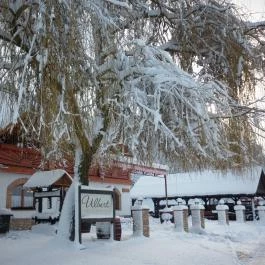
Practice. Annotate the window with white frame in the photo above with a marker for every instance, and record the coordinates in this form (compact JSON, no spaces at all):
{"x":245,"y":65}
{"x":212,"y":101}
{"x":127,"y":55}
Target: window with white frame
{"x":22,"y":198}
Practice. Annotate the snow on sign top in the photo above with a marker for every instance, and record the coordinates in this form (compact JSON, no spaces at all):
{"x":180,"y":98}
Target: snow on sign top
{"x":199,"y":184}
{"x":45,"y":178}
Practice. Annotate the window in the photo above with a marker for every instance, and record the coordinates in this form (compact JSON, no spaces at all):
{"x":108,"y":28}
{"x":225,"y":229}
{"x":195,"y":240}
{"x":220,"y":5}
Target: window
{"x":21,"y":198}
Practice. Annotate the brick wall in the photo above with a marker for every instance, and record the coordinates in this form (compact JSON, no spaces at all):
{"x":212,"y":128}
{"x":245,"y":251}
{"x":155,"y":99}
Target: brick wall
{"x":21,"y":223}
{"x":185,"y":220}
{"x":146,"y":229}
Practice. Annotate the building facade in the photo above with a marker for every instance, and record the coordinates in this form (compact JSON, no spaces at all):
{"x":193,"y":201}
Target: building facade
{"x":18,"y":164}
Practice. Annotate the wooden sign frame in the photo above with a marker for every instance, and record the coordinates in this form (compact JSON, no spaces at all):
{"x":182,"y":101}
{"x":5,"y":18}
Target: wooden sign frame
{"x":94,"y":219}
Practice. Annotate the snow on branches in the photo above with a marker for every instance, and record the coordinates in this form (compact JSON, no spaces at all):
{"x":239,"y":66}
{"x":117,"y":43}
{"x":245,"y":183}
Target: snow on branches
{"x":166,"y":79}
{"x":156,"y":94}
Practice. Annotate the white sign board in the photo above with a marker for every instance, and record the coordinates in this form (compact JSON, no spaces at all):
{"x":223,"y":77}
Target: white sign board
{"x":96,"y":205}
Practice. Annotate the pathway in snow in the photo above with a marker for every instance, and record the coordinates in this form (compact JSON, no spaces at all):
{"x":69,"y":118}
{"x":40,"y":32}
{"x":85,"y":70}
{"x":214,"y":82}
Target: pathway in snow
{"x":259,"y":256}
{"x":255,"y":257}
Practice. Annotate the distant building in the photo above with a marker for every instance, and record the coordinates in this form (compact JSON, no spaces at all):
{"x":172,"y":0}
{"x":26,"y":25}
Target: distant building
{"x":209,"y":186}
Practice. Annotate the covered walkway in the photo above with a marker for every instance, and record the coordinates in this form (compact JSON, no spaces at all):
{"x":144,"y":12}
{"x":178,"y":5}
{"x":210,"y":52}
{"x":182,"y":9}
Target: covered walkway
{"x":210,"y":186}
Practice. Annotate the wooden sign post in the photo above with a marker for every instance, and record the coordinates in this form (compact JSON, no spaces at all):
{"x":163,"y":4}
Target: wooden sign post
{"x":94,"y":205}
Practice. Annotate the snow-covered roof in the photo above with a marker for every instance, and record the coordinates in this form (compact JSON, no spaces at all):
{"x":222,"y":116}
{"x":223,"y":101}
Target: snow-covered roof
{"x":45,"y":178}
{"x":199,"y":184}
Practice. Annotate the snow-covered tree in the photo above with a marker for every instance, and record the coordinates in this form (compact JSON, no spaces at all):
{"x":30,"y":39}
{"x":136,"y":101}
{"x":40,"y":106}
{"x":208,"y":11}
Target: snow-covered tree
{"x":173,"y":81}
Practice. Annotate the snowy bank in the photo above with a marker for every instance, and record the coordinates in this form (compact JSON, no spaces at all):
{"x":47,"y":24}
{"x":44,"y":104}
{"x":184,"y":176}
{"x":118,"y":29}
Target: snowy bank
{"x":219,"y":245}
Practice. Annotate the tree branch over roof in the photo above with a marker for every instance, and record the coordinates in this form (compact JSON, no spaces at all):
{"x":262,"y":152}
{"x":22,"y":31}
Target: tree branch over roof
{"x":254,"y":26}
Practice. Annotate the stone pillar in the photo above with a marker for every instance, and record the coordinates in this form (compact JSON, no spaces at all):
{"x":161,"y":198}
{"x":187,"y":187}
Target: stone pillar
{"x":261,"y":212}
{"x":180,"y":213}
{"x":222,"y":212}
{"x":197,"y":216}
{"x":240,"y":212}
{"x":140,"y":217}
{"x":202,"y":217}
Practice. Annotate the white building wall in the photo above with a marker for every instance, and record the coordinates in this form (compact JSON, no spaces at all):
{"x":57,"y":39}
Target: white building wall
{"x":23,"y":213}
{"x":126,"y":204}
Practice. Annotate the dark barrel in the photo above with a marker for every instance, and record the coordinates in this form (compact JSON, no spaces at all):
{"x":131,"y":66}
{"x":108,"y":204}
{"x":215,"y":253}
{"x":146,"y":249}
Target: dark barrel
{"x":4,"y":220}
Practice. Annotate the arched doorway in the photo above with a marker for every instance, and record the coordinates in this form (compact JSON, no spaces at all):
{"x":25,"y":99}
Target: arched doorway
{"x":18,"y":197}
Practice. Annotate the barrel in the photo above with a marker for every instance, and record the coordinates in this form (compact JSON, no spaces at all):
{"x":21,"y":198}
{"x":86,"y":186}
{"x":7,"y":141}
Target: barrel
{"x":85,"y":226}
{"x":103,"y":230}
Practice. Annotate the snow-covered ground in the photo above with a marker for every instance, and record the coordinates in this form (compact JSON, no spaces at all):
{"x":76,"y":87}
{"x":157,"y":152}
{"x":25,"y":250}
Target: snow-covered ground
{"x":220,"y":245}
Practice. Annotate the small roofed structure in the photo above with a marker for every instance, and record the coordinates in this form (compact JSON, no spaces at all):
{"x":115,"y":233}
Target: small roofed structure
{"x":49,"y":191}
{"x":210,"y":186}
{"x":43,"y":179}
